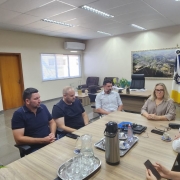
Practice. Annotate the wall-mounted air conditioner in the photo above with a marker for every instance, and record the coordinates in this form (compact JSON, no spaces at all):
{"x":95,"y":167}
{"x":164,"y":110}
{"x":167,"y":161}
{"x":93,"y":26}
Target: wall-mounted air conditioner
{"x":74,"y":46}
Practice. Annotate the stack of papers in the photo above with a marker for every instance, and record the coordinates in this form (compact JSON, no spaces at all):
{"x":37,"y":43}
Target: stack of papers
{"x":118,"y":88}
{"x":138,"y":89}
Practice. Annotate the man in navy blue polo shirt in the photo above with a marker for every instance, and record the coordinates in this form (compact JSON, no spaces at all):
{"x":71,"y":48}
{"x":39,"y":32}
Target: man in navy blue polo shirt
{"x":32,"y":123}
{"x":69,"y":113}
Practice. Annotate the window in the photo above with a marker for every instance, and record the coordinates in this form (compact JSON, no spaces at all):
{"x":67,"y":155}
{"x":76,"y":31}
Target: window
{"x":59,"y":66}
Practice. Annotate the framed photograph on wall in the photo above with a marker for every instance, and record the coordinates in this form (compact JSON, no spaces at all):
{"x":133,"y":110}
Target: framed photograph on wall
{"x":157,"y":63}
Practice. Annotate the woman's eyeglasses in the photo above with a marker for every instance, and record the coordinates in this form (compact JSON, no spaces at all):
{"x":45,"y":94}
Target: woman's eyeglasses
{"x":159,"y":90}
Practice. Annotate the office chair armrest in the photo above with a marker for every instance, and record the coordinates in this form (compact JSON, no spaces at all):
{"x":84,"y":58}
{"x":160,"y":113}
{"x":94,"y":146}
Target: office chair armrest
{"x":23,"y":147}
{"x":58,"y":132}
{"x":83,"y":86}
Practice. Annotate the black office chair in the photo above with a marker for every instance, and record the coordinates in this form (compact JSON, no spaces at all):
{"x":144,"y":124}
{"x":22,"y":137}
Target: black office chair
{"x":138,"y":81}
{"x":89,"y":82}
{"x":92,"y":97}
{"x":25,"y":149}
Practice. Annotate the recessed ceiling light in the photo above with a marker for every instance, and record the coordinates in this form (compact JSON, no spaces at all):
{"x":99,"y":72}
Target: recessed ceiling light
{"x":57,"y":22}
{"x":139,"y":27}
{"x":73,"y":51}
{"x":104,"y":33}
{"x":96,"y":11}
{"x":177,"y":0}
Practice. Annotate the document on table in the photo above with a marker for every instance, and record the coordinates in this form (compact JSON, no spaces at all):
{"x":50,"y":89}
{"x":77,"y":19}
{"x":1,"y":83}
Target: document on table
{"x":138,"y":89}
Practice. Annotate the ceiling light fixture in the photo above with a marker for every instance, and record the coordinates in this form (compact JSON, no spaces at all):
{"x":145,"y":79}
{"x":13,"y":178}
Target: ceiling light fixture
{"x":104,"y":33}
{"x":96,"y":11}
{"x":177,"y":0}
{"x":139,"y":27}
{"x":57,"y":22}
{"x":73,"y":51}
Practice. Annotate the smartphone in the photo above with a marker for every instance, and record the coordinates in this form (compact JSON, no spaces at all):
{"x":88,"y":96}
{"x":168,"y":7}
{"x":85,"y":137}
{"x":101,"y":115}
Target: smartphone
{"x":74,"y":136}
{"x":149,"y":165}
{"x":157,"y":132}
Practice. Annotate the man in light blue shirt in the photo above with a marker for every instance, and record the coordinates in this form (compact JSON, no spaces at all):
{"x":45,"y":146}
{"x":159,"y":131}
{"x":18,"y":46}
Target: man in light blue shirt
{"x":108,"y":101}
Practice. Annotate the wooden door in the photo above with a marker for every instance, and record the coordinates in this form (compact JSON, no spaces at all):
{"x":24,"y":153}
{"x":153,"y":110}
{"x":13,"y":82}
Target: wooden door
{"x":11,"y":80}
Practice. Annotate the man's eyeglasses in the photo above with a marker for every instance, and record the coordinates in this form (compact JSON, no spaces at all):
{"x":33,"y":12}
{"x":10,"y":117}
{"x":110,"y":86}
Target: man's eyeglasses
{"x":159,"y":90}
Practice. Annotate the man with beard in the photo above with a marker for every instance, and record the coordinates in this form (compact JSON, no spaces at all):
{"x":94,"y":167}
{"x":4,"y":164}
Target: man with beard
{"x":69,"y":113}
{"x":32,"y":123}
{"x":108,"y":101}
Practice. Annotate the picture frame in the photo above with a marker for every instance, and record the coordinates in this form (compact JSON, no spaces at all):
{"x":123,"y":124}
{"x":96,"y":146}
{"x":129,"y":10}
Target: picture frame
{"x":157,"y":63}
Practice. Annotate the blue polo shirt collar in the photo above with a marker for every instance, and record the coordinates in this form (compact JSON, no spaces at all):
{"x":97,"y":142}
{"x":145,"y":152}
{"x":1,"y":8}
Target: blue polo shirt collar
{"x":25,"y":109}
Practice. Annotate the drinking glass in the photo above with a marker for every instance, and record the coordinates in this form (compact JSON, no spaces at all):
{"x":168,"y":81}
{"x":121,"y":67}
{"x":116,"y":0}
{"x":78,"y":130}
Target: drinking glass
{"x":84,"y":166}
{"x":77,"y":167}
{"x":69,"y":170}
{"x":77,"y":148}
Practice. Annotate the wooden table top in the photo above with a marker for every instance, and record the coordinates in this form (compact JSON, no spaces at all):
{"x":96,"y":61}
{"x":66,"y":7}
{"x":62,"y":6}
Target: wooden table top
{"x":44,"y":163}
{"x":81,"y":96}
{"x":138,"y":93}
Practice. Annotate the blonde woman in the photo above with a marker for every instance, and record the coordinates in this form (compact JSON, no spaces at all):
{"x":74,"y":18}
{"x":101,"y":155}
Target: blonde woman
{"x":159,"y":106}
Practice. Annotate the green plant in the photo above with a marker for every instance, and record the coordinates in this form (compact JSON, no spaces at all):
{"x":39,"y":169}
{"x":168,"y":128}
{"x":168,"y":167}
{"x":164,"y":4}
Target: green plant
{"x":1,"y":166}
{"x":114,"y":81}
{"x":124,"y":82}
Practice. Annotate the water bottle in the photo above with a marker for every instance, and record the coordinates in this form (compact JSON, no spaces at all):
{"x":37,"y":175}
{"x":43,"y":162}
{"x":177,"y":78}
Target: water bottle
{"x":130,"y":134}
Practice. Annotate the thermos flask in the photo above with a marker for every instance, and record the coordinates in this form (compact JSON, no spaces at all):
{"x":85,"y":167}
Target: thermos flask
{"x":111,"y":134}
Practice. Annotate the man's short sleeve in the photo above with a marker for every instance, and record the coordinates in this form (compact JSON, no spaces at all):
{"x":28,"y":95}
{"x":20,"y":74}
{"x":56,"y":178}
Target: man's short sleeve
{"x":176,"y":145}
{"x":17,"y":121}
{"x":81,"y":106}
{"x":98,"y":101}
{"x":119,"y":100}
{"x":57,"y":112}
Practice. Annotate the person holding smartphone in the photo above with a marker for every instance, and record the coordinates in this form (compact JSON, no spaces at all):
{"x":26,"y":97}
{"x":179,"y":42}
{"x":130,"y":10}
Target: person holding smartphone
{"x":164,"y":172}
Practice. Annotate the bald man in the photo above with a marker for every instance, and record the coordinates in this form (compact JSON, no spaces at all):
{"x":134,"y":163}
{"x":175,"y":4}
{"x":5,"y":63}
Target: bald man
{"x":69,"y":113}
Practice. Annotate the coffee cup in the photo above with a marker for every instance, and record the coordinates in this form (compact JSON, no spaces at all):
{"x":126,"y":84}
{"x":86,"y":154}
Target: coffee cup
{"x":121,"y":144}
{"x":121,"y":134}
{"x":166,"y":136}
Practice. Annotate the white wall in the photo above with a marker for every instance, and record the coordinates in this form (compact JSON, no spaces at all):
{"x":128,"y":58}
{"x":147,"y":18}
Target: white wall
{"x":111,"y":56}
{"x":31,"y":46}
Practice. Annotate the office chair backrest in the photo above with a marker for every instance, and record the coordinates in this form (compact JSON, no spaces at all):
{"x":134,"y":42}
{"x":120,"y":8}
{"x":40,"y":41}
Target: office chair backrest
{"x":111,"y":79}
{"x":92,"y":81}
{"x":138,"y":81}
{"x":93,"y":89}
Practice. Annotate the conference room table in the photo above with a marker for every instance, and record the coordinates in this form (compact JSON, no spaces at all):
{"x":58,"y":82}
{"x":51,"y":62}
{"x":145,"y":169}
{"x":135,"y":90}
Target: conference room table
{"x":44,"y":163}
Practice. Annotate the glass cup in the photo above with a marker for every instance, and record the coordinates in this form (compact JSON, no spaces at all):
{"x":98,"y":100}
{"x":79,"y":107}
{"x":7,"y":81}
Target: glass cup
{"x":77,"y":167}
{"x":69,"y":170}
{"x":166,"y":136}
{"x":77,"y":148}
{"x":84,"y":166}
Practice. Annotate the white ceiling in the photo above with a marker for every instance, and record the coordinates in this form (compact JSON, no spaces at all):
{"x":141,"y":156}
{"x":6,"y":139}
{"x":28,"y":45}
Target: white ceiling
{"x":27,"y":15}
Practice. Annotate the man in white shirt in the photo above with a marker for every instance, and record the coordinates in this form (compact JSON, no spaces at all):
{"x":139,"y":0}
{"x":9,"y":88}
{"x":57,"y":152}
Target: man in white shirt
{"x":108,"y":101}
